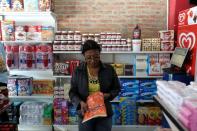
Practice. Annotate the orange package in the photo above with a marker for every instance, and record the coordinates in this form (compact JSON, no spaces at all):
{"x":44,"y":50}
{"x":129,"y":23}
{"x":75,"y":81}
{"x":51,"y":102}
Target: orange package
{"x":96,"y":106}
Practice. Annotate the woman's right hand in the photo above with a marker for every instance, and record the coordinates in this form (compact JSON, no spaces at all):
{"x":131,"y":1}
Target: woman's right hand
{"x":84,"y":107}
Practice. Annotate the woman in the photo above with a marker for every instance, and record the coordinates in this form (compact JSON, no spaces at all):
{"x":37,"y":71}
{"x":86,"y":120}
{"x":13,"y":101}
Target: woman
{"x":92,"y":76}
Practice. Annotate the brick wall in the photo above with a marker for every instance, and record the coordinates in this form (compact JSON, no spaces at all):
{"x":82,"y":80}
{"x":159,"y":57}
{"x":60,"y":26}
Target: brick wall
{"x":97,"y":16}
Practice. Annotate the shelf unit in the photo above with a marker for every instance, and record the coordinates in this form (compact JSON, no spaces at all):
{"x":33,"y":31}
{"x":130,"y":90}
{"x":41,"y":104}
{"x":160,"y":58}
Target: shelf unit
{"x":68,"y":76}
{"x":114,"y":128}
{"x":115,"y":52}
{"x":26,"y":42}
{"x":32,"y":18}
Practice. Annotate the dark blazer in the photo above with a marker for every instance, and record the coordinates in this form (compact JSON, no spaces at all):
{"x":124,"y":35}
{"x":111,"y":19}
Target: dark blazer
{"x":109,"y":83}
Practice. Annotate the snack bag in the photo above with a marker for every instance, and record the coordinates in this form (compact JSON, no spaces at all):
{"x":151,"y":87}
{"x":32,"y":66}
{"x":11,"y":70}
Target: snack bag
{"x":96,"y":106}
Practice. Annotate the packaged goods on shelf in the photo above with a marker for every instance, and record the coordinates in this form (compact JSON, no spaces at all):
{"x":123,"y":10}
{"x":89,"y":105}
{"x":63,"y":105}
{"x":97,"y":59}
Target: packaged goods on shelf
{"x":147,"y":89}
{"x":35,"y":113}
{"x":154,"y":65}
{"x":8,"y":127}
{"x":2,"y":62}
{"x":34,"y":33}
{"x":148,"y":115}
{"x":19,"y":85}
{"x":119,"y":68}
{"x":167,"y":45}
{"x":44,"y":57}
{"x":46,"y":5}
{"x":60,"y":111}
{"x":128,"y":110}
{"x":7,"y":29}
{"x":43,"y":87}
{"x":129,"y":87}
{"x":12,"y":56}
{"x":166,"y":35}
{"x":128,"y":70}
{"x":146,"y":44}
{"x":20,"y":33}
{"x":61,"y":89}
{"x":47,"y":33}
{"x":156,"y":44}
{"x":164,"y":60}
{"x":17,"y":5}
{"x":31,"y":5}
{"x":5,"y":5}
{"x":72,"y":115}
{"x":116,"y":118}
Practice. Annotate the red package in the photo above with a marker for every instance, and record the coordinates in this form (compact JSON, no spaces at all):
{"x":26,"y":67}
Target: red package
{"x":96,"y":106}
{"x":73,"y":64}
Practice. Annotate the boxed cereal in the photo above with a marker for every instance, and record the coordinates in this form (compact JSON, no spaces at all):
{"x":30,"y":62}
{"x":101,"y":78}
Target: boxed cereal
{"x":43,"y":87}
{"x":154,"y":65}
{"x":164,"y":60}
{"x":31,"y":5}
{"x":166,"y":35}
{"x":20,"y":33}
{"x":47,"y":33}
{"x":17,"y":5}
{"x":167,"y":45}
{"x":7,"y":29}
{"x":34,"y":33}
{"x":5,"y":5}
{"x":46,"y":5}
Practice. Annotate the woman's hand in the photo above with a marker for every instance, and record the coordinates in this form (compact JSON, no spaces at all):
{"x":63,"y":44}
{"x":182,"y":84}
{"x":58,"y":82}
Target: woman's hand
{"x":84,"y":107}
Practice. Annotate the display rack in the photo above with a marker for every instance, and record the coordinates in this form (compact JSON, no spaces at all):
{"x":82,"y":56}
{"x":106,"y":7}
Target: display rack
{"x":173,"y":121}
{"x":32,"y":18}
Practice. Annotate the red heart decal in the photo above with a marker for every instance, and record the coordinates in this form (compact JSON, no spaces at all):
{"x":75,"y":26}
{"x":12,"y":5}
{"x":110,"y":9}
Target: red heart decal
{"x":181,"y":17}
{"x":187,"y":40}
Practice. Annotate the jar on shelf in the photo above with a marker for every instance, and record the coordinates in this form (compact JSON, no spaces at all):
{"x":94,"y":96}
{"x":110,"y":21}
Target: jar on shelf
{"x":96,"y":37}
{"x":64,"y":35}
{"x":77,"y":45}
{"x":108,"y":42}
{"x":91,"y":37}
{"x":58,"y":35}
{"x":109,"y":35}
{"x":84,"y":37}
{"x":123,"y":41}
{"x":103,"y":35}
{"x":64,"y":45}
{"x":56,"y":45}
{"x":71,"y":45}
{"x":70,"y":35}
{"x":113,"y":35}
{"x":118,"y":36}
{"x":104,"y":47}
{"x":118,"y":41}
{"x":77,"y":36}
{"x":109,"y":47}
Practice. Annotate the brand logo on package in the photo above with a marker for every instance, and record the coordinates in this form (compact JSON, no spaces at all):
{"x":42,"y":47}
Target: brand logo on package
{"x":187,"y":40}
{"x":181,"y":17}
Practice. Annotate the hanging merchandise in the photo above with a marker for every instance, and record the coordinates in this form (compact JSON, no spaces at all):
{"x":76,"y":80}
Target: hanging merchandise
{"x":137,"y":32}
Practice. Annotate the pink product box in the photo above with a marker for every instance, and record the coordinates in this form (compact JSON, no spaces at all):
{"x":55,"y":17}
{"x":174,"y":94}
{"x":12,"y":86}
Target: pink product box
{"x":167,"y":45}
{"x":166,"y":35}
{"x":185,"y":121}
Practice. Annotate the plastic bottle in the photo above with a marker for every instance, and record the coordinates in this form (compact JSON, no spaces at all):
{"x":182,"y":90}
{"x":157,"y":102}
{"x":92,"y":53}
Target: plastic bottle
{"x":137,"y":32}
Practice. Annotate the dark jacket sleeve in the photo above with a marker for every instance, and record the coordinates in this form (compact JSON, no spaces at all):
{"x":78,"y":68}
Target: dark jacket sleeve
{"x":73,"y":92}
{"x":115,"y":87}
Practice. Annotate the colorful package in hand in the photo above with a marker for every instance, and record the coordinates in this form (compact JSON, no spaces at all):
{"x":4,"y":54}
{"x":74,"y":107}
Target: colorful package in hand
{"x":96,"y":106}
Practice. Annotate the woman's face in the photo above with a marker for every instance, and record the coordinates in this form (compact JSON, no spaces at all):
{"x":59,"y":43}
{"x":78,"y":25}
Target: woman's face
{"x":92,"y":58}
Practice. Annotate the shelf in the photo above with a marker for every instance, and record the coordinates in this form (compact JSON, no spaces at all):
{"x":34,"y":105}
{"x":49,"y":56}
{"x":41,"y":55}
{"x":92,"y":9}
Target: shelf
{"x":4,"y":108}
{"x":138,"y":101}
{"x":35,"y":73}
{"x":140,"y":76}
{"x":25,"y":42}
{"x":169,"y":114}
{"x":114,"y":128}
{"x":29,"y":14}
{"x":68,"y":76}
{"x":115,"y":52}
{"x":35,"y":127}
{"x":32,"y":97}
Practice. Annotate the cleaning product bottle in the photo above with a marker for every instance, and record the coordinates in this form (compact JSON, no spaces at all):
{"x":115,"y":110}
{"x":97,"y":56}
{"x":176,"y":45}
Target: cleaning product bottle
{"x":137,"y":32}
